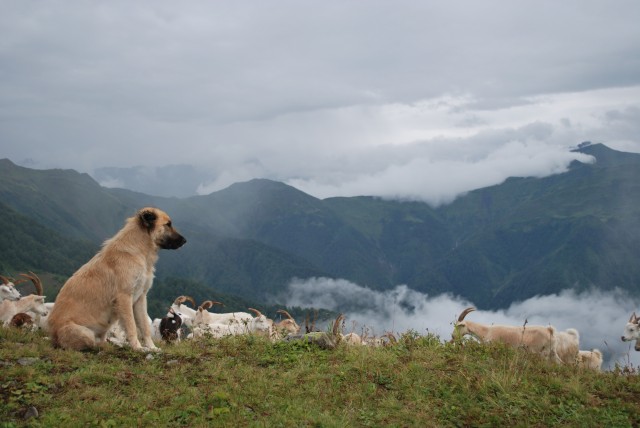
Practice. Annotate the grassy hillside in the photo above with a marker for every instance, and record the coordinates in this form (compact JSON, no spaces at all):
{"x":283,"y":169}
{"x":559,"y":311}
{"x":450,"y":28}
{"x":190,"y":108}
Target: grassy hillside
{"x":247,"y":381}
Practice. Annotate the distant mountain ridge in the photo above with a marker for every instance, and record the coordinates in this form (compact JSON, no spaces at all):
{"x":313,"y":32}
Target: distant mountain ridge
{"x":495,"y":245}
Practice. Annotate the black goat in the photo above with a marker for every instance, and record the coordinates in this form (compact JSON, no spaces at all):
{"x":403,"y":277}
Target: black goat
{"x":170,"y":326}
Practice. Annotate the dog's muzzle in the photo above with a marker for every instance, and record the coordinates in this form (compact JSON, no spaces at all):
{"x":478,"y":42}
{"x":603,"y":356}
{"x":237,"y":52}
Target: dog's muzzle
{"x":173,"y":242}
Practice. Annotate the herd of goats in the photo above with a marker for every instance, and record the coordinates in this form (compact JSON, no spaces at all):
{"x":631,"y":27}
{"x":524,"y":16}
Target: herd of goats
{"x":562,"y":347}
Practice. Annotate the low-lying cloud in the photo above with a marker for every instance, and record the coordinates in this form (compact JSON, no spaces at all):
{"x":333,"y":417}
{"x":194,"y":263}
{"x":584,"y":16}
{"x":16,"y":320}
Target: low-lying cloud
{"x":599,"y":316}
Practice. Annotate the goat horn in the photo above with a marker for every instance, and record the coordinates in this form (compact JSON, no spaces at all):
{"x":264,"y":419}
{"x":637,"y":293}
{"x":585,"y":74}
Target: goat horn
{"x":465,"y":312}
{"x":391,"y":337}
{"x":257,"y":312}
{"x":181,"y":299}
{"x":5,"y":280}
{"x":287,"y":314}
{"x":36,"y":282}
{"x":208,"y":304}
{"x":336,"y":323}
{"x":633,"y":317}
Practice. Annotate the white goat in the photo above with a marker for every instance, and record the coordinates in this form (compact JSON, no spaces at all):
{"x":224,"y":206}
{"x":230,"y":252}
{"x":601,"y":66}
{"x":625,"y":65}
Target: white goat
{"x":590,"y":359}
{"x":632,"y":331}
{"x":260,"y":324}
{"x":537,"y":339}
{"x":233,"y":323}
{"x":286,"y":326}
{"x":218,"y":325}
{"x":568,"y":345}
{"x":40,"y":321}
{"x":116,"y":334}
{"x":203,"y":316}
{"x":8,"y":290}
{"x":352,"y":339}
{"x":31,"y":303}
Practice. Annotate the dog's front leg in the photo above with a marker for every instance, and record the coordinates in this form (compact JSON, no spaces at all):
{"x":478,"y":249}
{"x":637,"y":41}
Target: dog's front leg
{"x":124,"y":309}
{"x":142,"y":321}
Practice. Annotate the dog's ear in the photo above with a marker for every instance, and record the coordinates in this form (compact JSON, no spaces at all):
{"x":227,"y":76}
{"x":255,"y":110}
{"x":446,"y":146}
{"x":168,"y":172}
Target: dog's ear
{"x":147,"y":219}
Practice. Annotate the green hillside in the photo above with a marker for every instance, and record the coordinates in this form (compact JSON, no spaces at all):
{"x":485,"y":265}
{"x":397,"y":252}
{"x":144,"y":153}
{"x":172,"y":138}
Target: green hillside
{"x":495,"y":245}
{"x":27,"y":245}
{"x":70,"y":203}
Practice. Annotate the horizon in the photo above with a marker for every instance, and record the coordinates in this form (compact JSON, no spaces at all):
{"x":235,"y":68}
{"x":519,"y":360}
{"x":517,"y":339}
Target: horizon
{"x":151,"y":176}
{"x":407,"y":100}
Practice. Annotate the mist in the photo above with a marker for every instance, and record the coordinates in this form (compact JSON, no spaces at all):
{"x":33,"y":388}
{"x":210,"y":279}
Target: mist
{"x":599,"y":316}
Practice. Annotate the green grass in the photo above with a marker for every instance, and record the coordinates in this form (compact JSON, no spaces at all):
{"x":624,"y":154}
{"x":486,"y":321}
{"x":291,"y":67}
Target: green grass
{"x":248,"y":381}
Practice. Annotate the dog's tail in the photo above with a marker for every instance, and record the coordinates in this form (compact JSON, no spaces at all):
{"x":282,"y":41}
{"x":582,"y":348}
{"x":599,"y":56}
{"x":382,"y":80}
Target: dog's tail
{"x":74,"y":336}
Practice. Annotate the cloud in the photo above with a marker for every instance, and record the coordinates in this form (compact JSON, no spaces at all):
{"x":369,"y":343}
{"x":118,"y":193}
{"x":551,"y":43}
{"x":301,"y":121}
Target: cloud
{"x":411,"y":100}
{"x":599,"y":316}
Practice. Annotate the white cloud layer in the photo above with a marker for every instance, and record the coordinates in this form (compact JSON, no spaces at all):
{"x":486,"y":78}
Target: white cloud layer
{"x":599,"y":316}
{"x":409,"y":99}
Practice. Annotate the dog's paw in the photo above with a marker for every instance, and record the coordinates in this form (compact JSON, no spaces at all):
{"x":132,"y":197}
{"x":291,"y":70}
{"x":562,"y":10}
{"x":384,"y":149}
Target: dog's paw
{"x":150,"y":349}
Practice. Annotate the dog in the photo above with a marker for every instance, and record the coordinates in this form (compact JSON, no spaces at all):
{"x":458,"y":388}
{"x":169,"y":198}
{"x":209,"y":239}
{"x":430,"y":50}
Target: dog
{"x":113,"y":286}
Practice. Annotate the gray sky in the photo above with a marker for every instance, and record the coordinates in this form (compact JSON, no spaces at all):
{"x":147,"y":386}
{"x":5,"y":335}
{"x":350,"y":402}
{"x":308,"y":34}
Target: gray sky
{"x":410,"y":99}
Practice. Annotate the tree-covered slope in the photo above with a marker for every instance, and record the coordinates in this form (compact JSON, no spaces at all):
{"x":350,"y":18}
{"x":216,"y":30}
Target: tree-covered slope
{"x":526,"y":236}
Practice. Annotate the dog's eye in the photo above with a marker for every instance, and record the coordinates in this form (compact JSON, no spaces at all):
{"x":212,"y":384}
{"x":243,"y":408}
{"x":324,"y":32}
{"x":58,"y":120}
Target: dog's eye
{"x":169,"y":224}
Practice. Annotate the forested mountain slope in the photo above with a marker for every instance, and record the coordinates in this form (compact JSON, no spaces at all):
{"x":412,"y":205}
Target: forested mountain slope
{"x":526,"y":236}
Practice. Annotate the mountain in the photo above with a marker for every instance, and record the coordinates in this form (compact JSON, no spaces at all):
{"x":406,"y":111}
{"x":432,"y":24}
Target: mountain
{"x":531,"y":236}
{"x":495,"y":245}
{"x":66,"y":201}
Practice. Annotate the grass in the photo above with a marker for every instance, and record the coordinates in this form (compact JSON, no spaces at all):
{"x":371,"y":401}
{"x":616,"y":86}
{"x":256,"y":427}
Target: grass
{"x":248,"y":381}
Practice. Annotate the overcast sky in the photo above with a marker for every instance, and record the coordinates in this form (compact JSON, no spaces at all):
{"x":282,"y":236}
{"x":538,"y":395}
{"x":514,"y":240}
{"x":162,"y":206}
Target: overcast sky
{"x":411,"y":99}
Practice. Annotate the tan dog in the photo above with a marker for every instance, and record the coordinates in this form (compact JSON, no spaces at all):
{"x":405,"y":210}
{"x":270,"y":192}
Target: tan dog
{"x":113,"y":285}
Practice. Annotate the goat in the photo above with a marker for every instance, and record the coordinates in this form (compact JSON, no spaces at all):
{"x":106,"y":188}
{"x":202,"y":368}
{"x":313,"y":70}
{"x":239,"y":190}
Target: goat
{"x":231,"y":324}
{"x":286,"y":326}
{"x":632,"y":331}
{"x":260,"y":324}
{"x":568,"y":345}
{"x":323,"y":339}
{"x":218,"y":325}
{"x":8,"y":290}
{"x":170,"y":326}
{"x":31,"y":303}
{"x":352,"y":339}
{"x":310,"y":328}
{"x":590,"y":359}
{"x":116,"y":334}
{"x":187,"y":314}
{"x":21,"y":320}
{"x":537,"y":339}
{"x":205,"y":317}
{"x":39,"y":319}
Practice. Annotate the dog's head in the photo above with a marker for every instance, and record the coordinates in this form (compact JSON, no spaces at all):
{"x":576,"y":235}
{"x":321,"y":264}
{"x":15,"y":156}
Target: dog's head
{"x":158,"y":224}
